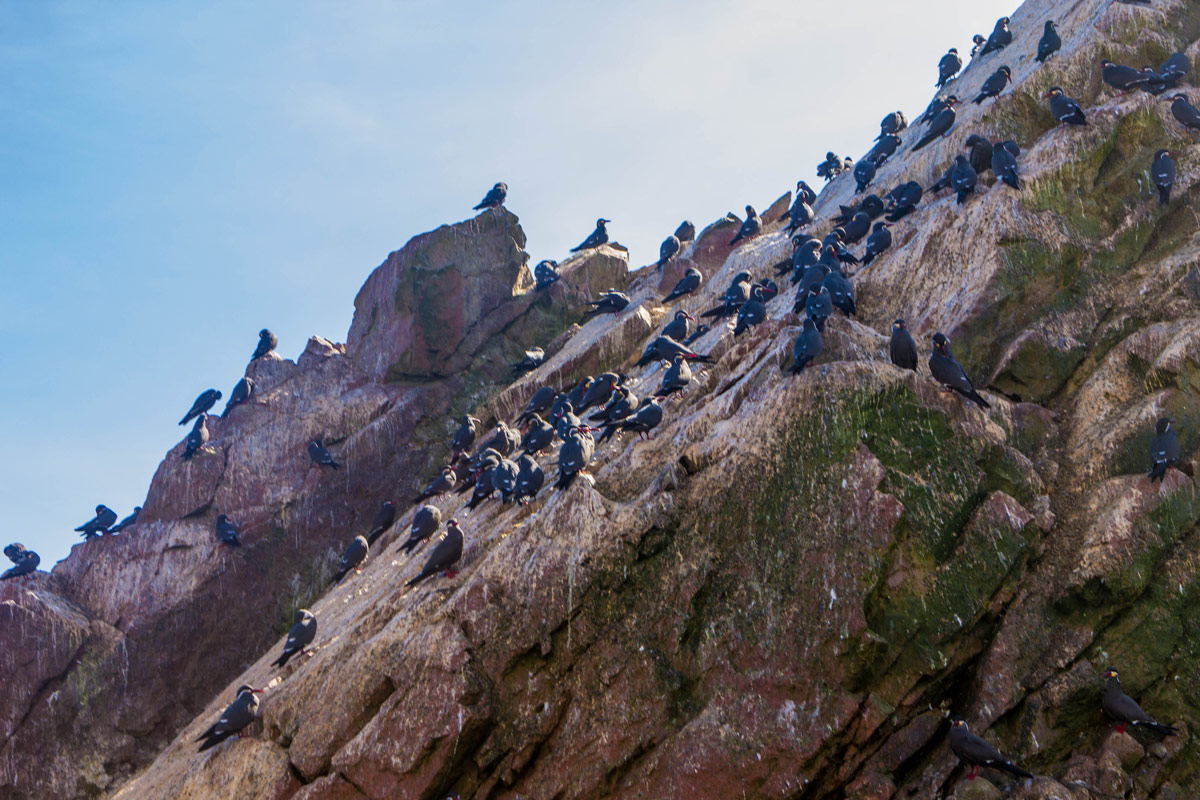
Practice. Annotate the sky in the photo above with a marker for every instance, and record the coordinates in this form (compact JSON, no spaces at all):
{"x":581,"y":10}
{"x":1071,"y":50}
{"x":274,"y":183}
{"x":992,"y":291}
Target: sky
{"x":176,"y":176}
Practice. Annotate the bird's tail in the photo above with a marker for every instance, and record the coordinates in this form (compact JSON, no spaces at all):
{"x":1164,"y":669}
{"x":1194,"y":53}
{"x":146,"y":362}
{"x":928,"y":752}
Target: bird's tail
{"x":797,"y":367}
{"x":719,"y":311}
{"x":564,"y":480}
{"x":341,"y":573}
{"x":1164,"y":195}
{"x":783,"y":267}
{"x":608,"y":432}
{"x":334,"y":464}
{"x":671,"y":296}
{"x":420,"y":577}
{"x":1159,"y":470}
{"x":186,"y":455}
{"x":1011,"y":769}
{"x":867,"y":258}
{"x":975,"y":396}
{"x":410,"y":545}
{"x":979,"y":99}
{"x":1012,"y":180}
{"x":1157,"y":727}
{"x":282,"y":660}
{"x":735,"y":240}
{"x":924,"y":141}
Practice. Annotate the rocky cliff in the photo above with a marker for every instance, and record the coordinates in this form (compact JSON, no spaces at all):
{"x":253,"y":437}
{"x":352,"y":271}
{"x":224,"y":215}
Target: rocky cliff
{"x":784,"y":594}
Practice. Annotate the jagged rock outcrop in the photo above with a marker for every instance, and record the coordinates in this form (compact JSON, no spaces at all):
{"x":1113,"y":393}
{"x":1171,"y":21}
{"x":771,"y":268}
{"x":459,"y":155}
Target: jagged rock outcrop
{"x":784,"y":594}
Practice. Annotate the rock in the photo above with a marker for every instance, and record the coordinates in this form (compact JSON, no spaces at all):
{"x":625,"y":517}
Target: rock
{"x":978,"y":789}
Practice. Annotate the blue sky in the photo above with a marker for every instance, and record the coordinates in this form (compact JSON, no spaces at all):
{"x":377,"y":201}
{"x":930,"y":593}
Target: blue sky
{"x":175,"y":176}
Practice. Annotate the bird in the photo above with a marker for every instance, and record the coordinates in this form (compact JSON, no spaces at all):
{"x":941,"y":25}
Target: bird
{"x":892,"y":123}
{"x":599,"y":390}
{"x":267,"y":342}
{"x":545,"y":273}
{"x":972,"y":750}
{"x":197,"y":438}
{"x":830,"y":168}
{"x":902,"y":349}
{"x":1184,"y":112}
{"x":234,"y":719}
{"x":905,"y":198}
{"x":464,"y":437}
{"x":750,"y":228}
{"x":737,"y":293}
{"x":320,"y":455}
{"x":696,"y":334}
{"x":770,"y":289}
{"x":384,"y":517}
{"x":611,"y":302}
{"x":864,"y":173}
{"x":677,"y":328}
{"x":127,"y":522}
{"x":940,"y":125}
{"x":483,"y":487}
{"x":642,"y":421}
{"x":806,"y":347}
{"x":1162,"y":171}
{"x":994,"y":84}
{"x":352,"y":558}
{"x":227,"y":531}
{"x":494,"y":198}
{"x":301,"y":635}
{"x":621,"y":403}
{"x":885,"y":146}
{"x":24,"y":561}
{"x":99,"y":524}
{"x":935,"y":107}
{"x":1175,"y":69}
{"x":667,"y":249}
{"x":444,"y":556}
{"x":529,"y":479}
{"x":574,"y":455}
{"x":878,"y":242}
{"x":818,"y":305}
{"x":949,"y":66}
{"x":963,"y":178}
{"x":598,"y":237}
{"x":677,"y":377}
{"x":1125,"y":710}
{"x":207,"y":399}
{"x":977,"y":41}
{"x":541,"y":401}
{"x":1152,"y":82}
{"x":539,"y":435}
{"x":534,"y":358}
{"x":801,"y":213}
{"x":1064,"y":109}
{"x":425,"y":523}
{"x":752,"y":312}
{"x":1164,"y":450}
{"x":689,"y":283}
{"x":1001,"y":37}
{"x":442,"y":484}
{"x":504,"y":479}
{"x":503,"y":439}
{"x":686,"y":232}
{"x":1050,"y":42}
{"x":1119,"y":76}
{"x":947,"y":371}
{"x":856,"y":228}
{"x":1004,"y":163}
{"x":240,"y":394}
{"x":806,"y":193}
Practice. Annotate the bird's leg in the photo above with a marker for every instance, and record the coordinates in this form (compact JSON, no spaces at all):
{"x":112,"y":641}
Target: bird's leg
{"x":1121,"y":728}
{"x":450,"y":573}
{"x":974,"y":772}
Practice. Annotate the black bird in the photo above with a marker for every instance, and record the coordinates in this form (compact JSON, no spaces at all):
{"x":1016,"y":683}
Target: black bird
{"x":813,"y":276}
{"x":464,"y":437}
{"x":1004,"y":162}
{"x":444,"y":556}
{"x":304,"y":630}
{"x":611,"y":302}
{"x":752,"y":312}
{"x":940,"y":125}
{"x":442,"y":484}
{"x":1185,"y":112}
{"x":885,"y":147}
{"x":384,"y":517}
{"x":1119,"y":76}
{"x":240,"y":394}
{"x":686,"y":231}
{"x":864,"y":173}
{"x":994,"y":84}
{"x":818,"y":305}
{"x":677,"y":377}
{"x":598,"y":390}
{"x":1162,"y":171}
{"x":575,"y":396}
{"x":504,"y":479}
{"x":236,"y":717}
{"x":689,"y":283}
{"x":980,"y":155}
{"x":534,"y":358}
{"x":1001,"y":37}
{"x":545,"y":273}
{"x":806,"y":252}
{"x":1050,"y":42}
{"x":574,"y":455}
{"x":204,"y":402}
{"x":972,"y":750}
{"x":667,"y":249}
{"x":949,"y":66}
{"x":677,"y":328}
{"x":737,"y":293}
{"x":504,"y":440}
{"x":962,"y":178}
{"x":902,"y":348}
{"x":425,"y":523}
{"x":1152,"y":82}
{"x":892,"y":123}
{"x":700,"y":331}
{"x":566,"y":420}
{"x":227,"y":531}
{"x":99,"y":524}
{"x":770,"y":289}
{"x":494,"y":198}
{"x":529,"y":479}
{"x":484,"y":487}
{"x":1164,"y":450}
{"x":935,"y":107}
{"x":127,"y":522}
{"x":321,"y":456}
{"x":541,"y":401}
{"x":806,"y":347}
{"x":352,"y":558}
{"x":800,"y":214}
{"x":806,"y":193}
{"x":1175,"y":69}
{"x":621,"y":403}
{"x":841,"y":293}
{"x":878,"y":242}
{"x":24,"y":561}
{"x":904,"y":200}
{"x":942,"y":182}
{"x":1064,"y":109}
{"x":830,"y":168}
{"x":196,"y":438}
{"x":642,"y":421}
{"x":750,"y":228}
{"x":539,"y":435}
{"x":267,"y":342}
{"x":947,"y":371}
{"x":977,"y":41}
{"x":856,"y":228}
{"x":598,"y":237}
{"x":1125,"y":710}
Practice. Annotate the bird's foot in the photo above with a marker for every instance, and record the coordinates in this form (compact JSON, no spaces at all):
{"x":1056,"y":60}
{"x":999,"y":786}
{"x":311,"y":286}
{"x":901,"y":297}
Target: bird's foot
{"x":451,"y":573}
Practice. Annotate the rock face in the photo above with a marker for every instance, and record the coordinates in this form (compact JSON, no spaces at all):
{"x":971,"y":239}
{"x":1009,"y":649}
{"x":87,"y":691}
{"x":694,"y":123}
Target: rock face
{"x":784,"y":594}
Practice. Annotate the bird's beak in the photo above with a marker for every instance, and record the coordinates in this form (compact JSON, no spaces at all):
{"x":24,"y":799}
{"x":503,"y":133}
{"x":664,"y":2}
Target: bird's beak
{"x":689,"y":316}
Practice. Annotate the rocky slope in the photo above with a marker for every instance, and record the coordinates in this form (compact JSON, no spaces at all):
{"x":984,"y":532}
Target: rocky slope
{"x":784,"y":594}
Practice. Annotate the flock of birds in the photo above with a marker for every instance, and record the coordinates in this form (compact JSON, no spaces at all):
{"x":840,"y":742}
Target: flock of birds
{"x":505,"y":462}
